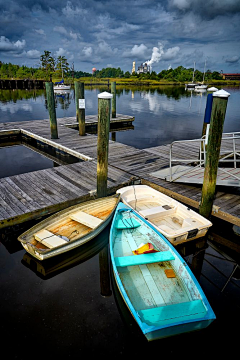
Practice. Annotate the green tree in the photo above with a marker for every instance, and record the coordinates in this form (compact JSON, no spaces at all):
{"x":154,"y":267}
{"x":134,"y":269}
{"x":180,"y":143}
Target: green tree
{"x":48,"y":63}
{"x":62,"y":66}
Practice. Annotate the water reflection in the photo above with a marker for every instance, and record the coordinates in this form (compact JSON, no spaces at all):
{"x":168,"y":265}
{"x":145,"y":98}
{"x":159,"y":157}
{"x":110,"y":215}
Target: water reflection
{"x":162,"y":113}
{"x":49,"y":268}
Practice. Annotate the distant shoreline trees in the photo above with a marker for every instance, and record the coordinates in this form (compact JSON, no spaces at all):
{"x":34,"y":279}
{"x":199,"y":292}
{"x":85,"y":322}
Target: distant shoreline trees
{"x":51,"y":67}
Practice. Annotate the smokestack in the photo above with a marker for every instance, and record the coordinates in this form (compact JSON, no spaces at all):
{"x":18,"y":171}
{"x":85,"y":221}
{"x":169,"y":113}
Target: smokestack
{"x":134,"y":67}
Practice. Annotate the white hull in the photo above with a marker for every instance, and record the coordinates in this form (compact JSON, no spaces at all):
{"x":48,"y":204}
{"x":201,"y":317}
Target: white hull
{"x":61,"y":87}
{"x":191,"y":86}
{"x":174,"y":220}
{"x":201,"y":87}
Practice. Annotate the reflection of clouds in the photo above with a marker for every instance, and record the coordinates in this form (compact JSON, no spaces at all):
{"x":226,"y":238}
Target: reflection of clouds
{"x":13,"y":108}
{"x":89,"y":103}
{"x":136,"y":106}
{"x":157,"y":104}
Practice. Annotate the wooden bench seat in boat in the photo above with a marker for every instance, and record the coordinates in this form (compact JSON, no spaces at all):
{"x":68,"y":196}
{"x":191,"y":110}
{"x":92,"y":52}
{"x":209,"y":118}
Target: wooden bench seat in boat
{"x":158,"y":211}
{"x":165,"y":315}
{"x":144,"y":258}
{"x":49,"y":239}
{"x":86,"y":219}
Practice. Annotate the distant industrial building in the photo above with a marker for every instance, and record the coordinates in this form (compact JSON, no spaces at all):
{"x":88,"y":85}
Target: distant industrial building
{"x":144,"y":68}
{"x":228,"y":76}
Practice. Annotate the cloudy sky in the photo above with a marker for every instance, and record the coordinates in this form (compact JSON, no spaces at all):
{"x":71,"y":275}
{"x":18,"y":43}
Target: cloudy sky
{"x":100,"y":33}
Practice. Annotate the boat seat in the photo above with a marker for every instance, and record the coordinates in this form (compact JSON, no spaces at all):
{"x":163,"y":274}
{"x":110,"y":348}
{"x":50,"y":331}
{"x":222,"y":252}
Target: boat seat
{"x":144,"y":258}
{"x":49,"y":239}
{"x":86,"y":219}
{"x":166,"y":315}
{"x":127,"y":223}
{"x":158,"y":211}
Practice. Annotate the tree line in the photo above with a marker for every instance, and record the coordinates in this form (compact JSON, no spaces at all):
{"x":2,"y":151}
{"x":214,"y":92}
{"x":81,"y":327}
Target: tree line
{"x":59,"y":68}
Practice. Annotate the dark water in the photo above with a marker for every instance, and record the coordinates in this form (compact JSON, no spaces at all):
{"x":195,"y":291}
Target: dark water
{"x":57,"y":309}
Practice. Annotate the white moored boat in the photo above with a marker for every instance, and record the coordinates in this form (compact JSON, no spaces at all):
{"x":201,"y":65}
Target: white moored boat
{"x":175,"y":221}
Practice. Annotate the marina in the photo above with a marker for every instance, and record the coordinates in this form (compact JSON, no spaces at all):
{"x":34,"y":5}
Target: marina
{"x":125,"y":162}
{"x":76,"y":283}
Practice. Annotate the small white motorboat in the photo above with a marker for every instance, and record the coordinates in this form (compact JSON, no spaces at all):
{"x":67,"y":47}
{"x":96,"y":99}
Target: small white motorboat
{"x":175,"y":221}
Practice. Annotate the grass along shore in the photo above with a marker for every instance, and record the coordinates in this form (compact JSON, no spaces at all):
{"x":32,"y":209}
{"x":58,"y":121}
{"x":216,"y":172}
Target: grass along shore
{"x":147,"y":82}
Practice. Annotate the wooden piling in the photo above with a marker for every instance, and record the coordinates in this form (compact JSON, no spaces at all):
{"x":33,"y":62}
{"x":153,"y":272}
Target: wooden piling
{"x":80,"y":106}
{"x":219,"y":106}
{"x":113,"y":92}
{"x":104,"y":105}
{"x":51,"y":110}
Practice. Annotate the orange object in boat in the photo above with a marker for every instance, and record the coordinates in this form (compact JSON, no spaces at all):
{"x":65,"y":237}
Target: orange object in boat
{"x":145,"y":249}
{"x":170,"y":273}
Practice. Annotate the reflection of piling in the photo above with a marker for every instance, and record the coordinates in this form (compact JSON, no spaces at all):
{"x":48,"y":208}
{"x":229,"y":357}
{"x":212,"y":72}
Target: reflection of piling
{"x":198,"y":258}
{"x":51,"y":110}
{"x":113,"y":92}
{"x":219,"y":106}
{"x":114,"y":136}
{"x":104,"y":106}
{"x":80,"y":106}
{"x":104,"y":272}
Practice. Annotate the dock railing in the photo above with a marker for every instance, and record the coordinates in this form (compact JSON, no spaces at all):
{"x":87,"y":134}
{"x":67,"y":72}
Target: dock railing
{"x":229,"y":152}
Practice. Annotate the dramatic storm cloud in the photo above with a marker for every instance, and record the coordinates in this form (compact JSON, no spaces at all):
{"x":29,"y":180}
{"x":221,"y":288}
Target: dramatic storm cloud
{"x":95,"y":33}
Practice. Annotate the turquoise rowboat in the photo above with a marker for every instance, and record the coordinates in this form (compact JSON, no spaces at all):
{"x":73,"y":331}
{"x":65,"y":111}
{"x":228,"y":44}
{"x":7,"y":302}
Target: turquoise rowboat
{"x":156,"y":284}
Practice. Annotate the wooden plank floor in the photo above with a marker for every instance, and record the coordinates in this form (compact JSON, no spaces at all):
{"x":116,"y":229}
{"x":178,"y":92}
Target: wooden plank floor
{"x":93,"y":119}
{"x":31,"y":195}
{"x":42,"y":192}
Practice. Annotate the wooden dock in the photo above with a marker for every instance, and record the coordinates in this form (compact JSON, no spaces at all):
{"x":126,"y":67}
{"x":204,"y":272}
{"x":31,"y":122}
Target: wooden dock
{"x":32,"y":195}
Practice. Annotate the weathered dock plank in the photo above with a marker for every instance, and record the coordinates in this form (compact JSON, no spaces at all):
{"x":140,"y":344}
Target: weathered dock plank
{"x":32,"y":195}
{"x":51,"y":190}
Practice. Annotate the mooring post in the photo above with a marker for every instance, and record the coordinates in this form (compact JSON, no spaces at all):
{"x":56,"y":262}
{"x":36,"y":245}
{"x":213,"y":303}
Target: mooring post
{"x":80,"y":106}
{"x":113,"y":92}
{"x":51,"y":110}
{"x":219,"y":106}
{"x":104,"y":106}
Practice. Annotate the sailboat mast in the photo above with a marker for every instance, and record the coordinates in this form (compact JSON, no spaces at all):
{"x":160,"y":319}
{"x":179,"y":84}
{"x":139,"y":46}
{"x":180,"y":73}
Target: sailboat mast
{"x":193,"y":72}
{"x":204,"y":71}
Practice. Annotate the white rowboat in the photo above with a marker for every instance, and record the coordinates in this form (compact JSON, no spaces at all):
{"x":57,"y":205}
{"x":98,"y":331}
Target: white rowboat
{"x":175,"y":221}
